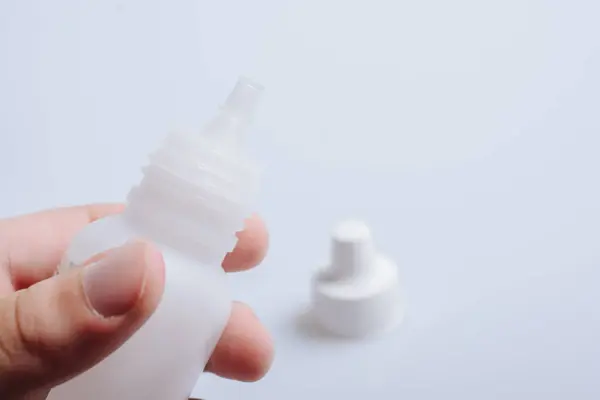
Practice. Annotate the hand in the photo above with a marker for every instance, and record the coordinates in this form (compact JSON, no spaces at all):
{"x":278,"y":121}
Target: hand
{"x":48,"y":330}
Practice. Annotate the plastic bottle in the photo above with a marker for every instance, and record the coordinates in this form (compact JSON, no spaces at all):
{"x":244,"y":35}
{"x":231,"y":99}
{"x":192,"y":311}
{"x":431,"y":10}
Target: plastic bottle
{"x":193,"y":198}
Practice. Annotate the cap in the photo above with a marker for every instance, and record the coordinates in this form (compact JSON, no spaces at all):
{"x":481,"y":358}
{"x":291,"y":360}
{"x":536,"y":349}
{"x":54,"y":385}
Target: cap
{"x":358,"y":293}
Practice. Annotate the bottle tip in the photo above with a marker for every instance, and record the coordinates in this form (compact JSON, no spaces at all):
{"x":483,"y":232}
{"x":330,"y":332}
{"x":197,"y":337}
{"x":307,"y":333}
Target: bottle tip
{"x":247,"y":81}
{"x":245,"y":96}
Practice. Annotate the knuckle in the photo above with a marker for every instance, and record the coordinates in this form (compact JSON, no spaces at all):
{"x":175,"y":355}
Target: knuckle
{"x":45,"y":330}
{"x":25,"y":330}
{"x":18,"y":365}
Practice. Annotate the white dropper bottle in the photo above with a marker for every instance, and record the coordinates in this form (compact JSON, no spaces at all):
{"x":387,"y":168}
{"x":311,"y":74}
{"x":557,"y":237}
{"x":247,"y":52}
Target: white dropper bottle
{"x":193,"y":198}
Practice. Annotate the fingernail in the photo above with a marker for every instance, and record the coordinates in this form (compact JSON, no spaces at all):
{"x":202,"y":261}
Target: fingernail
{"x":114,"y":284}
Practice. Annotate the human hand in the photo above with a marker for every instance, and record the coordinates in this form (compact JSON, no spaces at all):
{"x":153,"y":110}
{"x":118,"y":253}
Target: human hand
{"x":51,"y":327}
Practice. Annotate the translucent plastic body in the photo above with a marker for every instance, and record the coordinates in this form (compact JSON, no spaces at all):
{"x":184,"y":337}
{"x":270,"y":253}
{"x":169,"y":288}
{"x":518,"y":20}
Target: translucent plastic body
{"x":193,"y":198}
{"x":164,"y":359}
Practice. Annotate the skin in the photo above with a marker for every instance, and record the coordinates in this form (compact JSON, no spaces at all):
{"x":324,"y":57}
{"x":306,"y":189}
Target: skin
{"x":34,"y":354}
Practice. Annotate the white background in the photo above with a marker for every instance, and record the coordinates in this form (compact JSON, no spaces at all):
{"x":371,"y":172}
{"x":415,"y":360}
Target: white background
{"x":466,"y":133}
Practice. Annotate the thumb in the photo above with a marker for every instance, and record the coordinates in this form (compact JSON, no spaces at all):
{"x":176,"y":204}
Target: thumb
{"x":62,"y":326}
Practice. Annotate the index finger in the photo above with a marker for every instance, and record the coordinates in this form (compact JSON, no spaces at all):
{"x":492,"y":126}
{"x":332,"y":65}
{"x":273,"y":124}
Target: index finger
{"x":31,"y":246}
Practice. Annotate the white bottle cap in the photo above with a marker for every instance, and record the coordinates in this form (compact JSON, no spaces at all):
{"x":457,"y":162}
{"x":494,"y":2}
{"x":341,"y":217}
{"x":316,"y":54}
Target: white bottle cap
{"x":358,"y":294}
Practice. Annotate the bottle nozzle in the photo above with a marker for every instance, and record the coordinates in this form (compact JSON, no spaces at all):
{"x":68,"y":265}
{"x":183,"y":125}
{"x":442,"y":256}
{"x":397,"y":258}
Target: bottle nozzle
{"x":235,"y":114}
{"x":244,"y":98}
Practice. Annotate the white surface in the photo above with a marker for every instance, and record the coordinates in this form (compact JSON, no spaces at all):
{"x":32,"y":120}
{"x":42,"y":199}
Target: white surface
{"x":357,"y":294}
{"x":464,"y":132}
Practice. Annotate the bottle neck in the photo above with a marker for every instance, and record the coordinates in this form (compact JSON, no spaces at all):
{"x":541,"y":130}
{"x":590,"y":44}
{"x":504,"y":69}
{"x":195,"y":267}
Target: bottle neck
{"x":194,"y":197}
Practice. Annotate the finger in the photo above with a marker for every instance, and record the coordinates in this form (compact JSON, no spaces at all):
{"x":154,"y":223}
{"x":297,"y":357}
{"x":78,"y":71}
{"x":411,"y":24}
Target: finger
{"x":245,"y":350}
{"x":62,"y":326}
{"x":251,"y":248}
{"x":32,"y":245}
